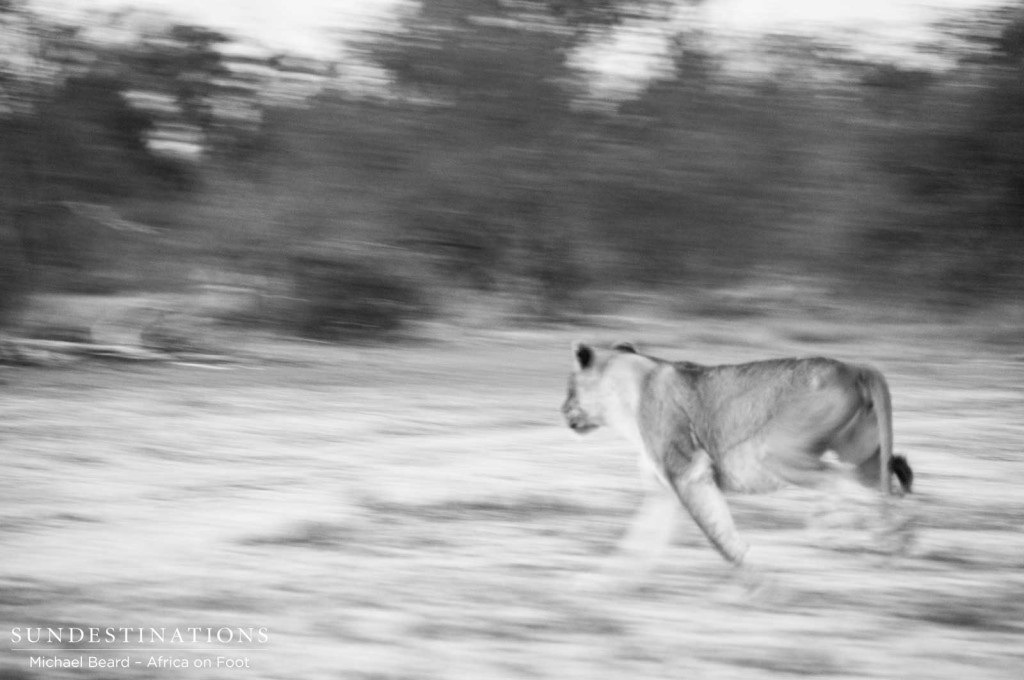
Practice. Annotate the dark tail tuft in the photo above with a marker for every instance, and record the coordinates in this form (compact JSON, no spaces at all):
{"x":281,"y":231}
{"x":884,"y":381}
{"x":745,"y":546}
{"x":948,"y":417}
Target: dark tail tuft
{"x":899,"y":466}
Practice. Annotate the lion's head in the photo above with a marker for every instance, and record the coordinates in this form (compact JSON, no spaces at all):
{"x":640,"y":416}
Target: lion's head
{"x":592,"y":386}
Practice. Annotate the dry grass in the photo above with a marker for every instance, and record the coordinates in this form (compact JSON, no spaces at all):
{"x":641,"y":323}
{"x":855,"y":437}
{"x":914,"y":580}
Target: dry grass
{"x":419,"y":512}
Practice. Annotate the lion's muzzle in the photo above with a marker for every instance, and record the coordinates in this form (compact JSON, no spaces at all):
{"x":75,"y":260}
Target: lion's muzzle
{"x":576,"y":418}
{"x":580,"y":427}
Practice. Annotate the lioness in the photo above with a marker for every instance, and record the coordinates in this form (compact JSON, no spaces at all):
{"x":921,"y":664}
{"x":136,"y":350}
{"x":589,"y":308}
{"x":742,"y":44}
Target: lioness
{"x":750,"y":428}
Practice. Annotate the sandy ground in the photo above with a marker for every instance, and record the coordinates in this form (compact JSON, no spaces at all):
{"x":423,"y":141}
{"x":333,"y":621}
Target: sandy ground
{"x":419,"y":511}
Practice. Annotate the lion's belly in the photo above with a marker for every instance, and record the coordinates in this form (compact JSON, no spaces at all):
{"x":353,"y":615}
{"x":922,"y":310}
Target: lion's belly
{"x":748,"y":468}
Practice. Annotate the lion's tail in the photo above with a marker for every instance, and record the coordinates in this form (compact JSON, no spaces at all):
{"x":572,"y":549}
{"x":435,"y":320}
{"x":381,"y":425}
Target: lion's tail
{"x":890,"y":464}
{"x":899,"y":466}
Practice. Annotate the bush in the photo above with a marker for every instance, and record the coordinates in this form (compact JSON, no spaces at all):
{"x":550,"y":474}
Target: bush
{"x":342,"y":295}
{"x":14,"y":275}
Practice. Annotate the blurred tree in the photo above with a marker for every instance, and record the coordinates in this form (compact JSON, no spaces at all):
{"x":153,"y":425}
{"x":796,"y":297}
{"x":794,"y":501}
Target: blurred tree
{"x":491,"y":168}
{"x":961,"y":167}
{"x":477,"y":153}
{"x":181,"y":59}
{"x":30,"y":72}
{"x":594,"y":15}
{"x":68,"y":134}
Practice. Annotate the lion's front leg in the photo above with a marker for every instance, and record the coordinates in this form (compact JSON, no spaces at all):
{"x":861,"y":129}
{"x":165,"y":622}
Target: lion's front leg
{"x":694,"y":484}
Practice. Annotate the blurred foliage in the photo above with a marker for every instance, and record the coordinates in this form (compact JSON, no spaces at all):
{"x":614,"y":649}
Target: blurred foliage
{"x":484,"y":163}
{"x":959,"y":166}
{"x":341,"y":296}
{"x":601,"y":13}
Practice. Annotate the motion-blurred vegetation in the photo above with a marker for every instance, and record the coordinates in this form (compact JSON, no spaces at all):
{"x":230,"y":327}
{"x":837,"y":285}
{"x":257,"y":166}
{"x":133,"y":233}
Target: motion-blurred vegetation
{"x":478,"y":163}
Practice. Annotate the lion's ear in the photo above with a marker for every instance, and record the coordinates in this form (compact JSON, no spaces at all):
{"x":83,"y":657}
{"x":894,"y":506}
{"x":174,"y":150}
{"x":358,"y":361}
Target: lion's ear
{"x":584,"y":354}
{"x":625,"y":347}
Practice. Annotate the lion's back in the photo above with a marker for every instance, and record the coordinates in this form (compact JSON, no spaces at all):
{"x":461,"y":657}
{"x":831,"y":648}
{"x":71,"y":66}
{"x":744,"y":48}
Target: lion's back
{"x":765,"y":385}
{"x":732,"y":404}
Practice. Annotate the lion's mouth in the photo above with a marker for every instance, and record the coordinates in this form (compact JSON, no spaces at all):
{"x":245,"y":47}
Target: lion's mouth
{"x":581,"y":427}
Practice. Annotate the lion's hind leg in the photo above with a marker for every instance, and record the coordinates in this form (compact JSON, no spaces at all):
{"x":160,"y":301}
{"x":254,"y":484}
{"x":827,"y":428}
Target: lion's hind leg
{"x":844,"y":502}
{"x":854,"y":513}
{"x":895,"y":529}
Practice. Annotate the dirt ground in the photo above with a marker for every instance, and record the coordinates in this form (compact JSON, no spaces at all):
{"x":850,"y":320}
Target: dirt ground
{"x":419,"y":511}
